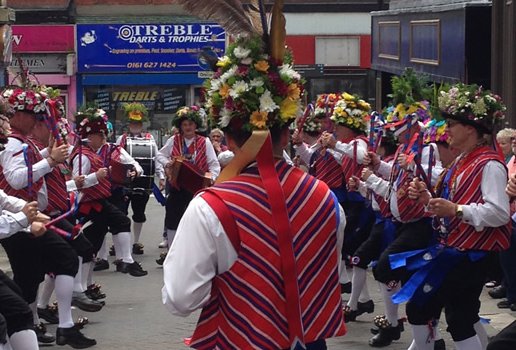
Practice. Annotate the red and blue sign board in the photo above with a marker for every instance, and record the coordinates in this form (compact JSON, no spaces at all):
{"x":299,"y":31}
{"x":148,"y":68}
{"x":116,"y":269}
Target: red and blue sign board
{"x":117,"y":48}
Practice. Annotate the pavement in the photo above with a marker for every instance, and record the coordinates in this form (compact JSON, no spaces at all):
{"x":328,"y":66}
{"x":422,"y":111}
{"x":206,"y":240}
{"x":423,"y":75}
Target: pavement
{"x":134,"y":317}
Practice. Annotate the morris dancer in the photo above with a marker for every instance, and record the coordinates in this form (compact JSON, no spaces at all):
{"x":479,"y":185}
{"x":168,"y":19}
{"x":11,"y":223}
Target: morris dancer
{"x":194,"y":148}
{"x":138,"y":195}
{"x":265,"y":244}
{"x":472,"y":216}
{"x":22,"y":174}
{"x":95,"y":203}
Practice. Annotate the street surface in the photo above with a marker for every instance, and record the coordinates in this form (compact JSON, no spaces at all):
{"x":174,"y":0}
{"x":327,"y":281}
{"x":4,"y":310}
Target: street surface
{"x":134,"y":317}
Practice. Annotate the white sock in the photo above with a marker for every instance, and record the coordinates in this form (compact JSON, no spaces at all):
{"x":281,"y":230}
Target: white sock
{"x":357,"y":283}
{"x":89,"y":274}
{"x":122,"y":242}
{"x":103,"y":252}
{"x":364,"y":294}
{"x":77,"y":281}
{"x":24,"y":340}
{"x":34,"y":308}
{"x":170,"y":237}
{"x":413,"y":345}
{"x":137,"y":231}
{"x":64,"y":290}
{"x":85,"y":272}
{"x":6,"y":346}
{"x":46,"y":288}
{"x":472,"y":343}
{"x":343,"y":278}
{"x":422,"y":337}
{"x":391,"y":309}
{"x":482,"y":334}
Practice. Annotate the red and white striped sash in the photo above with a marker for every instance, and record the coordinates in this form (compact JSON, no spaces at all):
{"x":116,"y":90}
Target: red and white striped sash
{"x":197,"y":149}
{"x":103,"y":189}
{"x":248,"y":309}
{"x":350,"y":166}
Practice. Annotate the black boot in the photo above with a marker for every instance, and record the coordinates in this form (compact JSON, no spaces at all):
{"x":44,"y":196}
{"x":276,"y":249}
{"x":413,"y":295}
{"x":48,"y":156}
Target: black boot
{"x":385,"y":337}
{"x":134,"y":268}
{"x":100,"y":265}
{"x":84,"y":303}
{"x":42,"y":335}
{"x":49,"y":314}
{"x":161,"y":259}
{"x":375,"y":329}
{"x":73,"y":337}
{"x":94,"y":292}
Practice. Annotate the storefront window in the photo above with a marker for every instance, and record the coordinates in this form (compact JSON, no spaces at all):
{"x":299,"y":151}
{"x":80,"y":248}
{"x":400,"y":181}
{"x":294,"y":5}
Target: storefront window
{"x":161,"y":101}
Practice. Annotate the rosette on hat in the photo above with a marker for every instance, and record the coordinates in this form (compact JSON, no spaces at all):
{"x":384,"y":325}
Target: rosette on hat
{"x":325,"y":103}
{"x":193,"y":113}
{"x":435,"y":131}
{"x":92,"y":121}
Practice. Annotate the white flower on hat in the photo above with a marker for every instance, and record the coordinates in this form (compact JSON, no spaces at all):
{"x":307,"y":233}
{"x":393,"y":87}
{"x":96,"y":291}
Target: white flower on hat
{"x":88,"y":129}
{"x":8,"y":92}
{"x":225,"y":117}
{"x":230,"y":73}
{"x":288,"y":71}
{"x":267,"y":104}
{"x":256,"y":82}
{"x":241,"y":53}
{"x":238,"y":89}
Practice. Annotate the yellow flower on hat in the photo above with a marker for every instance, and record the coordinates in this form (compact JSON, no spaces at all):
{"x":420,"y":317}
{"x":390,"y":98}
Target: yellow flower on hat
{"x":259,"y":119}
{"x":294,"y":92}
{"x":364,"y":105}
{"x":135,"y":115}
{"x":348,"y":97}
{"x":224,"y":61}
{"x":288,"y":109}
{"x":262,"y":66}
{"x":224,"y":90}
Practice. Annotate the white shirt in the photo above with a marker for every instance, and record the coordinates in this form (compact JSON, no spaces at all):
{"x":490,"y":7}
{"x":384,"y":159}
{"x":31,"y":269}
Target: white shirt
{"x":388,"y":191}
{"x":15,"y":170}
{"x":160,"y":172}
{"x":305,"y":152}
{"x":163,"y":155}
{"x":200,"y":251}
{"x":347,"y":149}
{"x":12,"y":218}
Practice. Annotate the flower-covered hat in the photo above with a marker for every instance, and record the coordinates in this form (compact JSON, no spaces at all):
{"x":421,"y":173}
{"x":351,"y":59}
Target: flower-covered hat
{"x":27,"y":100}
{"x":250,"y":91}
{"x":435,"y":131}
{"x":472,"y":105}
{"x":312,"y":125}
{"x":325,"y":103}
{"x":5,"y":128}
{"x":136,"y":112}
{"x":193,"y":113}
{"x":93,"y":121}
{"x":352,"y":112}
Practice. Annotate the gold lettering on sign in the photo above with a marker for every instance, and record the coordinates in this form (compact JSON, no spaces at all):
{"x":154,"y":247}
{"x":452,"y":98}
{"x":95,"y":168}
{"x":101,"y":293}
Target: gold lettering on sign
{"x":130,"y":96}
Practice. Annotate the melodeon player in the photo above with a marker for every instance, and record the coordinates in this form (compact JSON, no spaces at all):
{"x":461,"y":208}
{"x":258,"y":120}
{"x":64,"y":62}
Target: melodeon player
{"x":142,"y":147}
{"x":189,"y":147}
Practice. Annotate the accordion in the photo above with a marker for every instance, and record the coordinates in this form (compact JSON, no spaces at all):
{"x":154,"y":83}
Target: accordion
{"x":186,"y":176}
{"x":120,"y":173}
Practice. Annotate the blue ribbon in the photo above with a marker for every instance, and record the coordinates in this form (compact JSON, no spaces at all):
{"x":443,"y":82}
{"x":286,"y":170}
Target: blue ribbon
{"x":432,"y":265}
{"x":158,"y":195}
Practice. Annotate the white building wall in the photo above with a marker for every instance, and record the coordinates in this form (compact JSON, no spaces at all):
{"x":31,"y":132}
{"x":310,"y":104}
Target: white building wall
{"x":328,"y":23}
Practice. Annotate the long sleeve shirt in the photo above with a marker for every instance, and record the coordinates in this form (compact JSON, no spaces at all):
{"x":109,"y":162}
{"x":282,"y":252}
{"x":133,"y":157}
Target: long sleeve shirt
{"x":189,"y":268}
{"x":347,"y":149}
{"x":163,"y":155}
{"x":12,"y":218}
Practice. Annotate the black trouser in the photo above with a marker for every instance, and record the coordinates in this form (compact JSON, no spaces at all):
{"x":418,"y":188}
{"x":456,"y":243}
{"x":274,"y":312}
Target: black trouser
{"x":371,"y":249}
{"x":31,"y":258}
{"x":359,"y":222}
{"x":410,"y":236}
{"x":121,"y":197}
{"x":177,"y":202}
{"x":505,"y":340}
{"x":110,"y":218}
{"x":459,"y":295}
{"x":80,"y":244}
{"x":15,"y":310}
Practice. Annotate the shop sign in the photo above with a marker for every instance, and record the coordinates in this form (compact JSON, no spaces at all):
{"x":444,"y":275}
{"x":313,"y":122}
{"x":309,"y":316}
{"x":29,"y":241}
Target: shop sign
{"x":161,"y":99}
{"x":41,"y":63}
{"x":43,"y":38}
{"x":147,"y":47}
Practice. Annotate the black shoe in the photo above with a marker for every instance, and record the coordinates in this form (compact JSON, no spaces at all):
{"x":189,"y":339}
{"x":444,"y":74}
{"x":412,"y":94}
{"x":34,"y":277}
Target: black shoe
{"x":112,"y":251}
{"x":504,"y":304}
{"x":73,"y":337}
{"x":138,"y":248}
{"x":385,"y":337}
{"x":42,"y":335}
{"x":94,"y":292}
{"x":161,"y":259}
{"x":345,"y":288}
{"x":497,"y":292}
{"x":101,"y":265}
{"x":375,"y":329}
{"x":49,"y":314}
{"x":81,"y":322}
{"x":134,"y":269}
{"x":367,"y":307}
{"x":84,"y":303}
{"x":439,"y":345}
